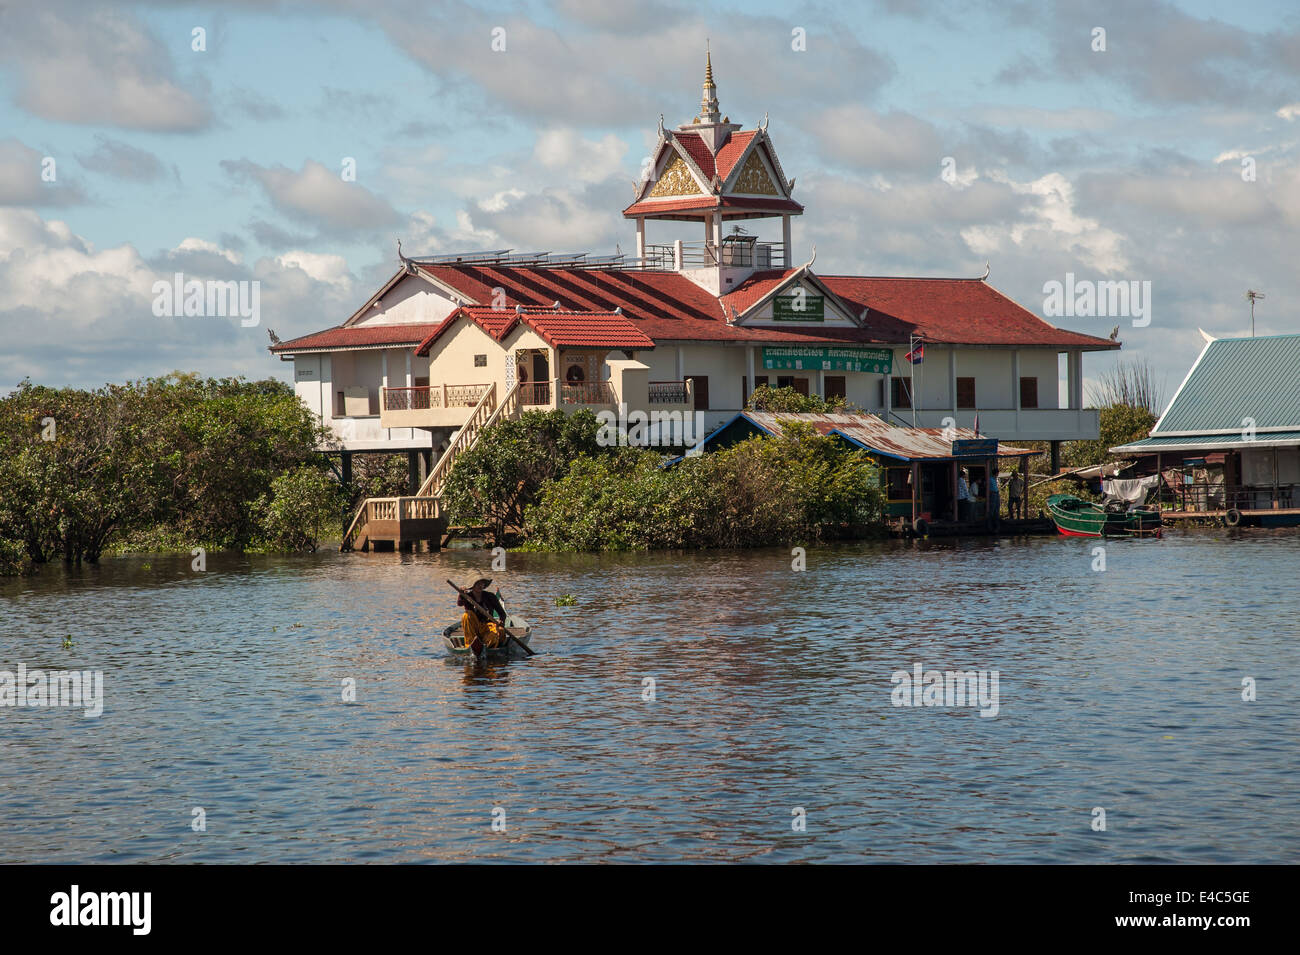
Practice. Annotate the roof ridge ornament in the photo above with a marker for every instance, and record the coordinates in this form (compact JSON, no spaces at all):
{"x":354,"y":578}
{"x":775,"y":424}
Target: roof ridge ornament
{"x":762,"y":127}
{"x":987,"y":270}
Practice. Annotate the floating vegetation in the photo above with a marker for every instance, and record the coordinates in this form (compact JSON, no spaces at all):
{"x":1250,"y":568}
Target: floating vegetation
{"x":566,"y":600}
{"x":67,"y":642}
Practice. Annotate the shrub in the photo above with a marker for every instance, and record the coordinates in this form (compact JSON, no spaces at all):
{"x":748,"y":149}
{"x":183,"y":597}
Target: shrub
{"x":301,"y":510}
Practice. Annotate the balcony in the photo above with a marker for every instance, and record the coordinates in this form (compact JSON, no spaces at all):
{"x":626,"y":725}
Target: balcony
{"x":435,"y":406}
{"x":699,"y":255}
{"x":571,"y":394}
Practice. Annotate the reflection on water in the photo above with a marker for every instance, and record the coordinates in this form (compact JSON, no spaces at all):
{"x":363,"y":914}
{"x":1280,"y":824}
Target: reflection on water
{"x":224,"y":690}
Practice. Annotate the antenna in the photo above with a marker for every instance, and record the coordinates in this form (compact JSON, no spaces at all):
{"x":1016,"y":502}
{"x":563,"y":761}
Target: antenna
{"x":1253,"y":295}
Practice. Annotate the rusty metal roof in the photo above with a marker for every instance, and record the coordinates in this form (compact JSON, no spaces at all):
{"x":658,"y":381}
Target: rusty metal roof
{"x":874,"y":434}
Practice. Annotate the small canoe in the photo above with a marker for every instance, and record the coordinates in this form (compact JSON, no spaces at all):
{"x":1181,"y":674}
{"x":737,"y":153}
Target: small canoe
{"x":517,"y":626}
{"x":1076,"y":517}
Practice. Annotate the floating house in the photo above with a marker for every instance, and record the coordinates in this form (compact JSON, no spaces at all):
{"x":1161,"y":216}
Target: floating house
{"x":918,"y":466}
{"x":1228,"y":446}
{"x":690,"y":324}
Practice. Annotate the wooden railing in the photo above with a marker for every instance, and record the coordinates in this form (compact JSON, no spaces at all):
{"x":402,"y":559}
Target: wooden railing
{"x":586,"y":393}
{"x":669,"y":393}
{"x":423,"y":397}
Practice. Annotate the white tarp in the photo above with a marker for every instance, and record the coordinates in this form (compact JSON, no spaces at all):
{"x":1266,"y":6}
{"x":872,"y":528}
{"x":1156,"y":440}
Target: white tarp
{"x":1129,"y":490}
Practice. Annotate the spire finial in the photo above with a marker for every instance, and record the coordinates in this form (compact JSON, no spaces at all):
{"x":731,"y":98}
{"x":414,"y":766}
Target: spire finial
{"x":709,"y":112}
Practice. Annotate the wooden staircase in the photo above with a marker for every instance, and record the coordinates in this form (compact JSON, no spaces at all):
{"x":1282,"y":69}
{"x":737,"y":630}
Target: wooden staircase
{"x":403,"y":520}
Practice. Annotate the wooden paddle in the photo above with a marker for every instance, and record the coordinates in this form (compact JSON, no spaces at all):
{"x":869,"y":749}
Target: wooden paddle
{"x":510,"y":637}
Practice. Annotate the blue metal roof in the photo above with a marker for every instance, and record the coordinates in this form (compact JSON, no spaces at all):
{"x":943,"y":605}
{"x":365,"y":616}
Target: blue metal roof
{"x":1235,"y":379}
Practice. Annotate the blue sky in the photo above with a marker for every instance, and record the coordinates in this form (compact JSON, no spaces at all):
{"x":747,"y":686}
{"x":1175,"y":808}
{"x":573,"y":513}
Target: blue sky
{"x":1122,"y":164}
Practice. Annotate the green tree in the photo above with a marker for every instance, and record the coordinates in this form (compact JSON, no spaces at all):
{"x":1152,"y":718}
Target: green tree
{"x":766,"y":398}
{"x":301,"y":510}
{"x":494,"y":482}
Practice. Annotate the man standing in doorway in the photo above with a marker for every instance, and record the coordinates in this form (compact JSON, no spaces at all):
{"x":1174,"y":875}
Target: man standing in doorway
{"x":963,"y":496}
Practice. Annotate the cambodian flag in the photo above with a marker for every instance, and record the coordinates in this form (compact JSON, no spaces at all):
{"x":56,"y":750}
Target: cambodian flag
{"x":917,"y":354}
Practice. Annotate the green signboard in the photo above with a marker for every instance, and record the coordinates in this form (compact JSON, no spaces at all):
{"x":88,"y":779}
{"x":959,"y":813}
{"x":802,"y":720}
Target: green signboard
{"x":798,"y":308}
{"x":829,"y":358}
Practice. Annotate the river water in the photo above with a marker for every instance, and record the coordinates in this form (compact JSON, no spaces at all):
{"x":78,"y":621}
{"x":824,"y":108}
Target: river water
{"x":771,"y":735}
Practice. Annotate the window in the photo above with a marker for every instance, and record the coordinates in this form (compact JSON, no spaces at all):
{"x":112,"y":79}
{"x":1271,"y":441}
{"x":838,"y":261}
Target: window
{"x":965,"y":392}
{"x":421,"y":382}
{"x":701,"y":392}
{"x":899,"y":486}
{"x":480,"y":361}
{"x":835,"y":387}
{"x":1029,"y":392}
{"x":900,"y":393}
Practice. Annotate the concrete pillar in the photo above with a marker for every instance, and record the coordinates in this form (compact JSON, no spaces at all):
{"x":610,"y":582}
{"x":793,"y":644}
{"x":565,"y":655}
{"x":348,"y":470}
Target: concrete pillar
{"x":785,"y":239}
{"x":1056,"y":456}
{"x":346,"y":462}
{"x":1015,"y":379}
{"x":640,"y":237}
{"x":677,"y":255}
{"x":952,"y":380}
{"x":889,"y":397}
{"x":749,"y":373}
{"x":681,"y":364}
{"x":412,"y":473}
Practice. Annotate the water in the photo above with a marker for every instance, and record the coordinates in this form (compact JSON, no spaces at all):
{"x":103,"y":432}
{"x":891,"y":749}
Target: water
{"x":1118,"y":689}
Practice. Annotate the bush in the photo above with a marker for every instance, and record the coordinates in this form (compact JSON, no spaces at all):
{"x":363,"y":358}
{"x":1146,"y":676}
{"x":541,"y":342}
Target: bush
{"x":494,"y":482}
{"x":302,"y":509}
{"x":759,"y":492}
{"x":765,"y":398}
{"x":14,"y":561}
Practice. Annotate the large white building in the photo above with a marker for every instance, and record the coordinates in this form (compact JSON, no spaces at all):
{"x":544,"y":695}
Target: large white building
{"x":692,"y":323}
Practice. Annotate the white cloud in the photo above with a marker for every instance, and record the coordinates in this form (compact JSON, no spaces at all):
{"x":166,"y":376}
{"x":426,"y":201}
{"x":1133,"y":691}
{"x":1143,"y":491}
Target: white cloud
{"x":567,"y":153}
{"x":332,"y":269}
{"x":77,"y":63}
{"x":317,"y":195}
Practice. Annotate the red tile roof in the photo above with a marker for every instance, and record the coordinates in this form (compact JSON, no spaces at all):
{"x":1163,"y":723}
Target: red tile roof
{"x":698,"y":150}
{"x":566,"y":328}
{"x":666,"y":306}
{"x":731,"y":152}
{"x":649,"y":207}
{"x":357,"y":336}
{"x":748,"y":292}
{"x":670,"y":307}
{"x":960,"y":311}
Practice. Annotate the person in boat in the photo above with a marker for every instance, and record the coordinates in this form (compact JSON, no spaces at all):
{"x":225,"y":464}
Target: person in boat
{"x":486,"y":631}
{"x":963,"y":496}
{"x":1015,"y":495}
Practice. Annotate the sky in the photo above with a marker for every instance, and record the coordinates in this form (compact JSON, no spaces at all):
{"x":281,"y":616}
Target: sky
{"x":138,"y":140}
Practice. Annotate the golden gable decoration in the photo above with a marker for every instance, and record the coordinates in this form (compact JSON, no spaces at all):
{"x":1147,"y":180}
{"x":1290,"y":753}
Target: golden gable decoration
{"x":754,"y":179}
{"x":675,"y":181}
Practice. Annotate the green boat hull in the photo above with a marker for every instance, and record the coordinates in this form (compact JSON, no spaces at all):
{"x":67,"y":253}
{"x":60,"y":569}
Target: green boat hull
{"x":1075,"y":517}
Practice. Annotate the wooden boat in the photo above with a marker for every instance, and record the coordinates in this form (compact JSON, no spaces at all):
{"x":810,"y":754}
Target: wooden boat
{"x":1076,"y":517}
{"x":518,"y":627}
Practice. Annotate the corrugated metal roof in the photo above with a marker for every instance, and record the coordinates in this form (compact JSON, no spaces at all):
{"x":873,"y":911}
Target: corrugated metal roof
{"x":1211,"y":442}
{"x":874,"y":434}
{"x":1235,"y":379}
